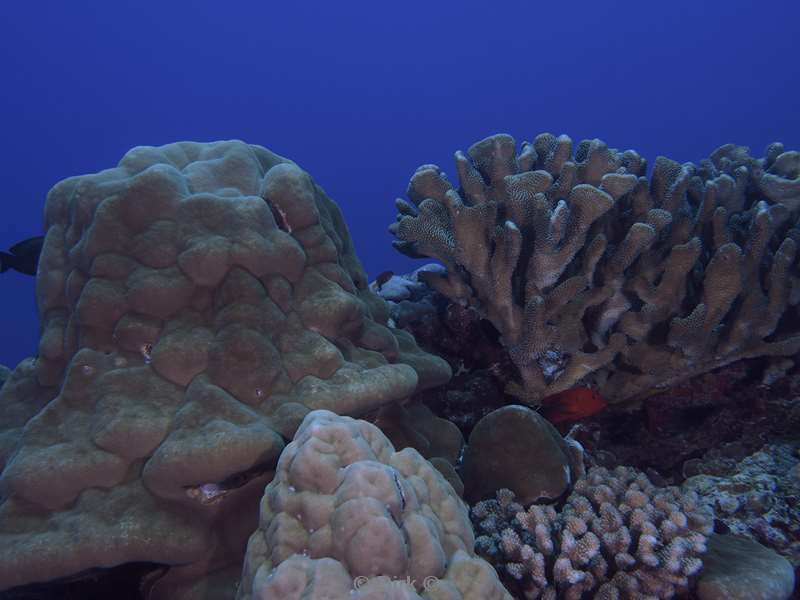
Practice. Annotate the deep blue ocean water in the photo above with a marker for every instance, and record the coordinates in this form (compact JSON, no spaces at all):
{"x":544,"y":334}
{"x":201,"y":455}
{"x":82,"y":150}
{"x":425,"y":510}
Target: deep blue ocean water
{"x":361,"y":93}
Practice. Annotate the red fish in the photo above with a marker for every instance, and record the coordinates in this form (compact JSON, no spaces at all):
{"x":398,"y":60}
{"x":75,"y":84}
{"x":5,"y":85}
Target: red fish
{"x":572,"y":405}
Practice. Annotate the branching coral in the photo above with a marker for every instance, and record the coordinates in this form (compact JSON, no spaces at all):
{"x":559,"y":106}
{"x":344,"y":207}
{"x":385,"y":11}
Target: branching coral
{"x":592,"y":273}
{"x":617,"y":536}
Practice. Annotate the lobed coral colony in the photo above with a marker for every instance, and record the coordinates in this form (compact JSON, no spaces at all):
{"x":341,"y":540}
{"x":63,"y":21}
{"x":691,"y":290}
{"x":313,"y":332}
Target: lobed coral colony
{"x":197,"y":301}
{"x":220,"y":398}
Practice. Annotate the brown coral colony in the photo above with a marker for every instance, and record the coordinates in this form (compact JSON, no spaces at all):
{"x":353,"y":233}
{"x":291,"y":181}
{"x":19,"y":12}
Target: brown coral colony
{"x":594,"y":275}
{"x":197,"y":301}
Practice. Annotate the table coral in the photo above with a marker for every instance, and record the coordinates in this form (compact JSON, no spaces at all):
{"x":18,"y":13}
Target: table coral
{"x":348,"y":516}
{"x":592,"y":273}
{"x":197,"y":301}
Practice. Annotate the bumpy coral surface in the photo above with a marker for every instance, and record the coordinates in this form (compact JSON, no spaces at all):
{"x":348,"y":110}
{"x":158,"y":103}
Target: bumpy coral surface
{"x":346,"y":516}
{"x":592,"y":273}
{"x":197,"y":301}
{"x":759,"y":499}
{"x":617,"y":536}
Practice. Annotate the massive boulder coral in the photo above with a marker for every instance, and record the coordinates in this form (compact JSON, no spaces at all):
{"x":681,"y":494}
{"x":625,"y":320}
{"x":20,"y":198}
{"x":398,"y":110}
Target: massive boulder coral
{"x":617,"y":536}
{"x":347,"y":516}
{"x":591,"y":273}
{"x":197,"y":301}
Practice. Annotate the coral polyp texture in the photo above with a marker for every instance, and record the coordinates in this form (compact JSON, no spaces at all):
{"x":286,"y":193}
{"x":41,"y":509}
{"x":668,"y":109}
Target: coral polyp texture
{"x":617,"y":536}
{"x":197,"y":301}
{"x":347,"y":516}
{"x":593,"y":274}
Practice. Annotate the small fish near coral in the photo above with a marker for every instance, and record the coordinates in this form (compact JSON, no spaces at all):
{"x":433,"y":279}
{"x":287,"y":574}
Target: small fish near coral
{"x":382,"y":278}
{"x":23,"y":256}
{"x":572,"y":405}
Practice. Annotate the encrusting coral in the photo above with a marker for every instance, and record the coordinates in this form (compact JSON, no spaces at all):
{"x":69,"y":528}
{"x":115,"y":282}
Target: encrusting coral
{"x":347,"y":516}
{"x":197,"y":301}
{"x":617,"y":536}
{"x":738,"y":568}
{"x":593,"y":274}
{"x":758,"y":498}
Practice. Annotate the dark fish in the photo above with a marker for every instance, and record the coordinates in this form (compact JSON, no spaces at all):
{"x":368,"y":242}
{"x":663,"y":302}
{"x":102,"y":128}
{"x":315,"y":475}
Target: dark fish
{"x":383,"y":278}
{"x":23,"y":256}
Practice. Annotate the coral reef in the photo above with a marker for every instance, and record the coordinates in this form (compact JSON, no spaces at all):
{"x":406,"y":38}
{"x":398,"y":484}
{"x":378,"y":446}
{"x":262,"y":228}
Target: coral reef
{"x":203,"y":304}
{"x":459,"y":335}
{"x":414,"y":425}
{"x":348,"y":515}
{"x":409,"y":298}
{"x":197,"y":301}
{"x":454,"y":332}
{"x":593,"y":274}
{"x":616,"y":536}
{"x":705,"y":425}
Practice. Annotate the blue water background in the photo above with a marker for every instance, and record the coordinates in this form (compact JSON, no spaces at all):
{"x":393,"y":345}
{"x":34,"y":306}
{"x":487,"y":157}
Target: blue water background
{"x":361,"y":93}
